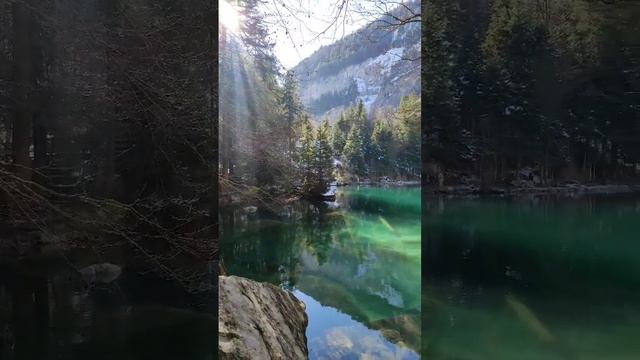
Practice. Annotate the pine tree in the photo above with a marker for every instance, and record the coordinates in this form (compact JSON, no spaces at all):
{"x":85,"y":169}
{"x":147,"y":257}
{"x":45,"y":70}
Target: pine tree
{"x":381,"y":148}
{"x":350,"y":118}
{"x":257,"y":37}
{"x":339,"y":136}
{"x":291,"y":106}
{"x":407,"y":135}
{"x":307,"y":155}
{"x":324,"y":165}
{"x":360,"y":113}
{"x":360,"y":120}
{"x":353,"y":151}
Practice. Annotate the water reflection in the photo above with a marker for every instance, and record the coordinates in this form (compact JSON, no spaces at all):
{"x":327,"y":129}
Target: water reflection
{"x":355,"y":263}
{"x":48,"y":311}
{"x":532,"y":278}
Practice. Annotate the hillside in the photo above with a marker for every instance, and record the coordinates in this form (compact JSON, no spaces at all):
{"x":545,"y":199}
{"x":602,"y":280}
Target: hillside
{"x":379,"y":66}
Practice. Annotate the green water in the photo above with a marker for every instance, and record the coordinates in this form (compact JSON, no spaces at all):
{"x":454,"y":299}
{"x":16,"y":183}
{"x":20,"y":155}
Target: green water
{"x":355,"y":263}
{"x":532,"y":278}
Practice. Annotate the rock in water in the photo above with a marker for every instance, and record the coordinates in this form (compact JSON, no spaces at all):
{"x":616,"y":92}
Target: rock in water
{"x":259,"y":321}
{"x":100,"y":273}
{"x":250,"y":209}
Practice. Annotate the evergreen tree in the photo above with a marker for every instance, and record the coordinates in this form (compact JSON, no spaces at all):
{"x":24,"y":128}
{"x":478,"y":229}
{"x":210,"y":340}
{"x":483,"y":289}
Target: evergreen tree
{"x":353,"y":151}
{"x":440,"y":50}
{"x":351,"y":116}
{"x":360,"y":113}
{"x":307,"y":155}
{"x":517,"y":83}
{"x":339,"y":136}
{"x":361,"y":121}
{"x":257,"y":37}
{"x":292,"y":107}
{"x":324,"y":165}
{"x":381,"y":148}
{"x":407,"y":135}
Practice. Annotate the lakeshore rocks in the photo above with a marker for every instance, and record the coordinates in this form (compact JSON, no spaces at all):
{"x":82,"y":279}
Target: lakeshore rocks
{"x":330,"y":194}
{"x":259,"y":321}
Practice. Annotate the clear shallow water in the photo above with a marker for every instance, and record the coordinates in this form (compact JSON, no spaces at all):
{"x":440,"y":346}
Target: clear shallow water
{"x":356,"y":264}
{"x":532,"y":278}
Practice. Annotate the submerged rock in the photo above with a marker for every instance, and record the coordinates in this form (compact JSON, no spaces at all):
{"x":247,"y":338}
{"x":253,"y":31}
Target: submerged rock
{"x":100,"y":273}
{"x":405,"y":328}
{"x":259,"y":321}
{"x":250,"y":209}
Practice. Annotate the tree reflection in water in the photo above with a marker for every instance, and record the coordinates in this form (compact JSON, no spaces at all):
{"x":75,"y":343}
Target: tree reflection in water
{"x":359,"y":275}
{"x":48,"y":312}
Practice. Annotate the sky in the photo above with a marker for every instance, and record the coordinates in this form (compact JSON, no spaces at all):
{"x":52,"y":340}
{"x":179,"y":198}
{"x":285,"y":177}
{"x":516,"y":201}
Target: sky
{"x":300,"y":27}
{"x":305,"y":19}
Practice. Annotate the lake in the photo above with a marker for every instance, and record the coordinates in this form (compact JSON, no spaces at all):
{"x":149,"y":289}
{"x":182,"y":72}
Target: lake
{"x":355,"y":263}
{"x":532,"y":278}
{"x":47,"y":310}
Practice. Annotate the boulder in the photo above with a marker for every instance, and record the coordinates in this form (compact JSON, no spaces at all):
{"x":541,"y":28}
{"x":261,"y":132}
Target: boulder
{"x":250,"y":209}
{"x":259,"y":321}
{"x":100,"y":273}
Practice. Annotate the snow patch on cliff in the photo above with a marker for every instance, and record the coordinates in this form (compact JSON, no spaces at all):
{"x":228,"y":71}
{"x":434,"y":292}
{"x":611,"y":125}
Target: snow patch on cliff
{"x":368,"y":93}
{"x":388,"y":59}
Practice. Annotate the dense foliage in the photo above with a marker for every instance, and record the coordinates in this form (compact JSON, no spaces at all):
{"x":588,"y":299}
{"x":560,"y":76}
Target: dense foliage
{"x":386,"y":145}
{"x":546,"y":86}
{"x":107,"y":133}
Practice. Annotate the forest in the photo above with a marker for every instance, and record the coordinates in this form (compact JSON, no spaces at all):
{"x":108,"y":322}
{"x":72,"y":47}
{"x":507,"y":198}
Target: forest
{"x":100,"y":141}
{"x":272,"y":148}
{"x":107,"y":165}
{"x":335,"y":98}
{"x":531,"y":92}
{"x":108,"y":144}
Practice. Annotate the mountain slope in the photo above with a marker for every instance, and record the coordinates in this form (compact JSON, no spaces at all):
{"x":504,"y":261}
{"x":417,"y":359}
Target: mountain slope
{"x":378,"y":66}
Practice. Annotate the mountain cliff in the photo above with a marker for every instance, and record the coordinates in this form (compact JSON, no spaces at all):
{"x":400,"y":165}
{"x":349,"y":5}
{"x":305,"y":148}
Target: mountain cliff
{"x":378,"y":66}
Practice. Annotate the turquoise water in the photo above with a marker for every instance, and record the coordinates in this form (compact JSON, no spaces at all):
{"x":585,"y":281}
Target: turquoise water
{"x":532,"y":278}
{"x":354,"y":263}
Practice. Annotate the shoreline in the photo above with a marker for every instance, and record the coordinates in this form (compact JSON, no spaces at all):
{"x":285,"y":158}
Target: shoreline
{"x":379,"y":183}
{"x":565,"y":190}
{"x":572,"y":190}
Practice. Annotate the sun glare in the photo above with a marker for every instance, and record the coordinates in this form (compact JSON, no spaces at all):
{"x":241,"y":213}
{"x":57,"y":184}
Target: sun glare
{"x":229,"y":17}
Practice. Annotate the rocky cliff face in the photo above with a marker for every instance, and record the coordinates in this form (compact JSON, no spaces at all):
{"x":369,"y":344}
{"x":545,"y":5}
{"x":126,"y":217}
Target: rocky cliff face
{"x":378,"y":66}
{"x":259,"y":321}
